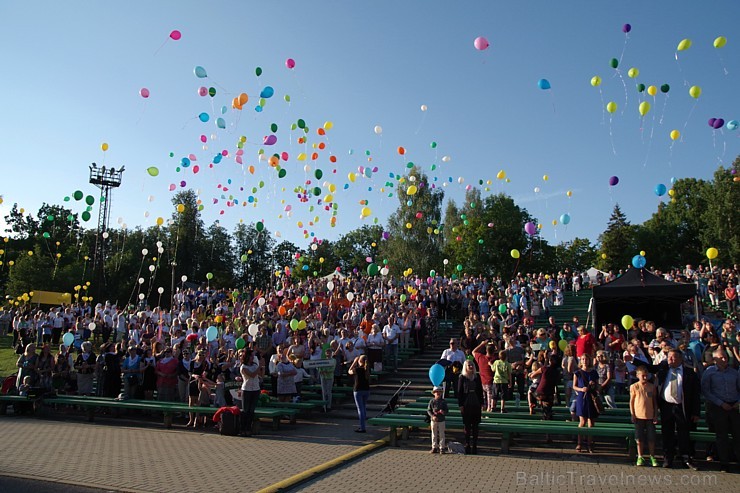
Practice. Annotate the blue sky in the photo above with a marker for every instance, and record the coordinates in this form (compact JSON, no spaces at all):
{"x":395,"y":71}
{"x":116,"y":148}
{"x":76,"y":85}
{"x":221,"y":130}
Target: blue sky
{"x":73,"y":72}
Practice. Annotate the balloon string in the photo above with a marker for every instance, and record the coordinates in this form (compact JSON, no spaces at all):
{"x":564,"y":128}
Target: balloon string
{"x":552,"y":98}
{"x":690,"y":113}
{"x":722,"y":62}
{"x":624,"y":47}
{"x":662,"y":113}
{"x":161,"y":46}
{"x":603,"y":107}
{"x":611,"y":136}
{"x":680,"y":70}
{"x":624,"y":85}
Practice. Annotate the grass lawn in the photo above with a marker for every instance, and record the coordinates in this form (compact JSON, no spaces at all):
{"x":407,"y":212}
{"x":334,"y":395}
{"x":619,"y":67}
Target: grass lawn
{"x":8,"y":357}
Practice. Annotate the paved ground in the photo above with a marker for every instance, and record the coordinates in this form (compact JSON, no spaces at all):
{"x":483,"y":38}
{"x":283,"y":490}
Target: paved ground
{"x":113,"y":456}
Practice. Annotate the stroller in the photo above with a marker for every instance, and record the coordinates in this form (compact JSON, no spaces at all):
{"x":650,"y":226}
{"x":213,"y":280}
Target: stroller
{"x":395,"y":399}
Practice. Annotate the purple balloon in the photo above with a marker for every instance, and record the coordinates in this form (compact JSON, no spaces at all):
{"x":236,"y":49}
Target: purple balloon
{"x":626,"y":28}
{"x":711,"y":122}
{"x":530,"y":228}
{"x":269,"y":140}
{"x":718,"y":123}
{"x":613,"y":181}
{"x":386,"y":235}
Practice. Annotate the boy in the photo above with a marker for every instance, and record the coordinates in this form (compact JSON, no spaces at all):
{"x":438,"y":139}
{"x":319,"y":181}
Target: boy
{"x":436,"y":411}
{"x":644,"y":411}
{"x":501,"y":378}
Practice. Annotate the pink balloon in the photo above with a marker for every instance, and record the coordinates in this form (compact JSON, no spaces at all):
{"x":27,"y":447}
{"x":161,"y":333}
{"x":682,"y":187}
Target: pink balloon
{"x":176,"y":35}
{"x":144,"y":92}
{"x":202,"y":91}
{"x":172,"y":187}
{"x":192,"y":157}
{"x":196,"y":168}
{"x":481,"y":43}
{"x":284,"y":156}
{"x":203,"y":139}
{"x":290,"y":63}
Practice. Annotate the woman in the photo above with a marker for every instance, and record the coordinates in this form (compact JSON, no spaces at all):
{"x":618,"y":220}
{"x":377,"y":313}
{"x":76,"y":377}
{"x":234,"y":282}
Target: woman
{"x":250,"y":370}
{"x":408,"y":321}
{"x":111,"y":371}
{"x":585,"y":384}
{"x":361,"y":388}
{"x":606,"y":378}
{"x":149,"y":380}
{"x":286,"y":373}
{"x":131,"y":369}
{"x":60,"y":376}
{"x":546,"y":387}
{"x":469,"y":394}
{"x":27,"y":364}
{"x":197,"y":385}
{"x":85,"y":366}
{"x":45,"y":367}
{"x":375,"y":343}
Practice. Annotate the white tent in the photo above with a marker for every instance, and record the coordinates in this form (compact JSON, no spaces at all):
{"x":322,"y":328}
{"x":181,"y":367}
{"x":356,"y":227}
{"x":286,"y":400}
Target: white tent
{"x":334,"y":274}
{"x":593,"y":272}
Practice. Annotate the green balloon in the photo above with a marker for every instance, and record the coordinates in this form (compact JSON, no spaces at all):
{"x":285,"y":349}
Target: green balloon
{"x":70,"y":218}
{"x":301,"y":123}
{"x":209,"y":276}
{"x":472,"y":204}
{"x":459,"y":267}
{"x":466,"y":222}
{"x":287,"y":98}
{"x":282,"y":173}
{"x":258,"y":71}
{"x":85,"y":216}
{"x":410,"y":165}
{"x":640,"y":87}
{"x":665,"y":88}
{"x":89,"y":200}
{"x":502,"y":308}
{"x":66,"y":199}
{"x":463,"y":217}
{"x":294,"y":324}
{"x":259,"y":226}
{"x":318,"y":174}
{"x":434,"y":145}
{"x":211,"y":91}
{"x":372,"y":270}
{"x":403,"y":298}
{"x":304,"y":299}
{"x":385,"y":261}
{"x":244,"y":257}
{"x":316,"y":191}
{"x":50,"y":217}
{"x":78,"y":195}
{"x":274,"y":127}
{"x":614,"y":63}
{"x":240,"y":343}
{"x":480,"y":241}
{"x":46,"y":235}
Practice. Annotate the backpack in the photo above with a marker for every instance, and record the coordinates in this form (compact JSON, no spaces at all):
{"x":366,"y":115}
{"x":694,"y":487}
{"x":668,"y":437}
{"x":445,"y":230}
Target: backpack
{"x":229,"y":424}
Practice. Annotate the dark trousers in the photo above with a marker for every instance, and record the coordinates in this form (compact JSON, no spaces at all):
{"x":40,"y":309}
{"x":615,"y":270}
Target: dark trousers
{"x":451,"y":380}
{"x":56,"y":334}
{"x":471,"y":434}
{"x":675,"y":424}
{"x":249,"y":403}
{"x":518,"y":379}
{"x":726,"y":423}
{"x":419,"y":336}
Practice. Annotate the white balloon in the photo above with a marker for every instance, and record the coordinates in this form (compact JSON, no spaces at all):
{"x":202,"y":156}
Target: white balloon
{"x":150,"y":198}
{"x":278,"y":234}
{"x":159,"y":244}
{"x":445,"y":261}
{"x":412,"y":178}
{"x":123,"y":226}
{"x":91,"y":326}
{"x":151,"y":268}
{"x":141,"y":280}
{"x":330,"y":286}
{"x":184,"y":278}
{"x":423,"y":107}
{"x":536,"y":189}
{"x":160,"y":290}
{"x":460,"y":180}
{"x":378,"y":130}
{"x":261,"y":301}
{"x":105,"y":235}
{"x":446,"y":159}
{"x":314,"y":246}
{"x":160,"y":250}
{"x":144,"y":251}
{"x":350,"y":296}
{"x":146,"y":214}
{"x":307,"y":168}
{"x":253,"y":330}
{"x":384,"y":271}
{"x":120,"y":220}
{"x":142,"y":296}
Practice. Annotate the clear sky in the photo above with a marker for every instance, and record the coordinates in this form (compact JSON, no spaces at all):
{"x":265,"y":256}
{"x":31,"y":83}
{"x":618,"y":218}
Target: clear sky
{"x":73,"y":72}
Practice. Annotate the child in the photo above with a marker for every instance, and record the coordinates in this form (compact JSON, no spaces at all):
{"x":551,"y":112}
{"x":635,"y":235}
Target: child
{"x":644,"y":411}
{"x":620,"y":375}
{"x":436,"y":411}
{"x":25,"y":386}
{"x":501,"y":378}
{"x":300,"y":375}
{"x":220,"y":400}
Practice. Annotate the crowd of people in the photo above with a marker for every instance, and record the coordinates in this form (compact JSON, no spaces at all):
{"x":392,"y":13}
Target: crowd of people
{"x":260,"y":339}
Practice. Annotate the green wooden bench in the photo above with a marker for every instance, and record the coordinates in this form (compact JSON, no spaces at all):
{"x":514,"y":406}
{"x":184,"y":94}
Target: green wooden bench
{"x":90,"y":404}
{"x":12,"y":400}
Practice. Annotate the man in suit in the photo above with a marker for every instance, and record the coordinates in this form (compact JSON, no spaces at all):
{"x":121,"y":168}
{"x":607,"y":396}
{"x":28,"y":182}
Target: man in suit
{"x":679,"y":394}
{"x":720,"y":384}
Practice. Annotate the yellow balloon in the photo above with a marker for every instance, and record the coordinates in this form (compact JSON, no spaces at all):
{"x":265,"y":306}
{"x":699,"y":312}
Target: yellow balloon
{"x":539,"y":225}
{"x":603,"y":256}
{"x":675,"y":134}
{"x":685,"y":44}
{"x":301,"y":156}
{"x":329,"y":198}
{"x":671,"y":192}
{"x":365,"y":212}
{"x":501,"y":175}
{"x":633,"y":72}
{"x":652,"y":90}
{"x":545,"y":177}
{"x":104,"y":146}
{"x":411,"y":190}
{"x":160,"y":221}
{"x":627,"y":322}
{"x":180,"y":208}
{"x":515,"y":253}
{"x":554,"y":222}
{"x":695,"y":92}
{"x":332,"y":188}
{"x":712,"y":253}
{"x":611,"y":106}
{"x":30,"y":253}
{"x":720,"y":42}
{"x":644,"y":108}
{"x":642,"y":252}
{"x":328,"y":125}
{"x":408,"y":225}
{"x":351,"y":177}
{"x":569,"y":193}
{"x":595,"y":81}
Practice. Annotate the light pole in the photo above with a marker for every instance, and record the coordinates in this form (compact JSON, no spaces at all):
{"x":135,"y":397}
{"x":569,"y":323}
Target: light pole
{"x":172,"y":286}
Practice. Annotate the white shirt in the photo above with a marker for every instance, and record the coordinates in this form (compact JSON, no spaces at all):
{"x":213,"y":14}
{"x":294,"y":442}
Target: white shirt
{"x":250,"y":383}
{"x":375,"y":340}
{"x":391,"y":333}
{"x":454,"y":355}
{"x":676,"y":373}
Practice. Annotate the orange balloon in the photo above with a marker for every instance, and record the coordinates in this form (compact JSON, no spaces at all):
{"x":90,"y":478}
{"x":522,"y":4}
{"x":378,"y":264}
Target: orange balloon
{"x":251,"y":169}
{"x":314,"y":156}
{"x":333,"y":159}
{"x":401,"y":150}
{"x":322,"y":145}
{"x":282,"y":311}
{"x":243,"y":98}
{"x":320,"y":131}
{"x":301,"y":140}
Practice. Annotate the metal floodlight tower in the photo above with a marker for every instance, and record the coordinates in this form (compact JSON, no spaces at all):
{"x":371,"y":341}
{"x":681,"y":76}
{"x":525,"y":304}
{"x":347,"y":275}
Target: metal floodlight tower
{"x":105,"y":179}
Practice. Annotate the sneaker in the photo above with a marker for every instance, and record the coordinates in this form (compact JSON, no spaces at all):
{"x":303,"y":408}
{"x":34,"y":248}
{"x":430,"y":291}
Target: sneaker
{"x":640,"y":461}
{"x":654,"y":461}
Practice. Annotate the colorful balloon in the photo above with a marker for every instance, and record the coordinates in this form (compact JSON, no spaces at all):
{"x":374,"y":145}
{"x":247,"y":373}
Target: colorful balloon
{"x":144,"y":92}
{"x":638,"y":261}
{"x":660,"y":189}
{"x":633,"y":72}
{"x":530,"y":228}
{"x":481,"y":43}
{"x":176,"y":35}
{"x":543,"y":84}
{"x":695,"y":92}
{"x":712,"y":253}
{"x":595,"y":81}
{"x":613,"y":181}
{"x":720,"y":42}
{"x":611,"y":106}
{"x":290,"y":63}
{"x":626,"y":28}
{"x":684,"y":44}
{"x":644,"y":108}
{"x":565,"y":218}
{"x":200,"y":72}
{"x":627,"y":322}
{"x":675,"y":134}
{"x":514,"y":253}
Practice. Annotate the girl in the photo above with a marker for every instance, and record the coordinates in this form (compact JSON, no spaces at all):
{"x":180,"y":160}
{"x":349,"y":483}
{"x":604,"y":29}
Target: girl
{"x":585,"y":383}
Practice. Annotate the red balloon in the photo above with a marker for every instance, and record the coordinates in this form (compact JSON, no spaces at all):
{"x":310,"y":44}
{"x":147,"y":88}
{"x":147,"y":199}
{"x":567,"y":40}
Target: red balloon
{"x":176,"y":35}
{"x":290,"y":63}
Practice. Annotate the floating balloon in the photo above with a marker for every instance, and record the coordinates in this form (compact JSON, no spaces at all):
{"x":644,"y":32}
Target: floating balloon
{"x":104,"y":146}
{"x":614,"y":63}
{"x":627,"y":322}
{"x":176,"y":35}
{"x":652,"y":90}
{"x":644,"y":108}
{"x":595,"y":81}
{"x":211,"y":333}
{"x":290,"y":63}
{"x":436,"y":374}
{"x":543,"y":84}
{"x":565,"y":218}
{"x":514,"y":253}
{"x":638,"y":261}
{"x":733,"y":125}
{"x":695,"y":92}
{"x":626,"y":28}
{"x":720,"y":42}
{"x":378,"y":130}
{"x":144,"y":92}
{"x":68,"y":338}
{"x":665,"y":88}
{"x":633,"y":72}
{"x":613,"y":181}
{"x":153,"y":171}
{"x":683,"y":45}
{"x":480,"y":44}
{"x":267,"y":92}
{"x":611,"y":106}
{"x":675,"y":134}
{"x":530,"y":229}
{"x":200,"y":72}
{"x":660,"y":189}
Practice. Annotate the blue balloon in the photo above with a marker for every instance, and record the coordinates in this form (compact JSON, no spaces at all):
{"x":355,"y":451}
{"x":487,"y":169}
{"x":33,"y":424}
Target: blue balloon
{"x":200,"y":72}
{"x":204,"y":117}
{"x":436,"y":374}
{"x":185,"y":162}
{"x":217,"y":158}
{"x":258,"y":109}
{"x":220,"y":123}
{"x":267,"y":92}
{"x":565,"y":218}
{"x":732,"y":125}
{"x":305,"y":267}
{"x":660,"y":189}
{"x":543,"y":84}
{"x":638,"y":261}
{"x":211,"y":333}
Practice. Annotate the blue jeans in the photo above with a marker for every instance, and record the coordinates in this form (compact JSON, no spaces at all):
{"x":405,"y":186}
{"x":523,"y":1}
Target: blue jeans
{"x":361,"y":397}
{"x":249,"y":403}
{"x":391,"y":351}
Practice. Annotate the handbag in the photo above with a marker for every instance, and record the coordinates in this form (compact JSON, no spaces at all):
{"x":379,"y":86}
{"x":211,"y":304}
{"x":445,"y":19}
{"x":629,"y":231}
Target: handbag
{"x":596,"y":399}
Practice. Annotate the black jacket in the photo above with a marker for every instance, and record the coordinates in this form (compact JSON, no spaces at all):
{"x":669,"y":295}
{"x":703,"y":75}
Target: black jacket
{"x":691,"y":386}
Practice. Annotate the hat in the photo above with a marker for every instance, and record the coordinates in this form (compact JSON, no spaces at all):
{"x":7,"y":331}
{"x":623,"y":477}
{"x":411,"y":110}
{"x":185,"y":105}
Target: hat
{"x":437,"y":388}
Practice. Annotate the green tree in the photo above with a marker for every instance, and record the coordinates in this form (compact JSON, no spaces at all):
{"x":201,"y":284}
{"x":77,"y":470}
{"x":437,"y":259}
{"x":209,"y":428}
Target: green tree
{"x":353,"y":248}
{"x":187,"y":230}
{"x":617,"y":242}
{"x":254,"y":250}
{"x":577,"y":255}
{"x":722,"y":216}
{"x":283,"y":255}
{"x":417,"y":246}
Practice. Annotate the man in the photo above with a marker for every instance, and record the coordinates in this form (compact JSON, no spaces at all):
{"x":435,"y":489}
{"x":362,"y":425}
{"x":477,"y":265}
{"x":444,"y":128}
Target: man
{"x":453,"y":355}
{"x":391,"y":333}
{"x":720,"y":385}
{"x":680,"y":407}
